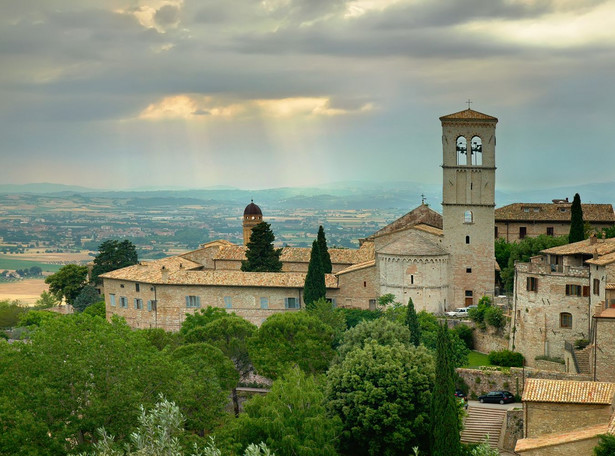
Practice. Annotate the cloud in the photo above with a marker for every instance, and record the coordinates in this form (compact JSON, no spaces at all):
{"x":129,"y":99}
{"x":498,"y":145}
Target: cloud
{"x":192,"y":107}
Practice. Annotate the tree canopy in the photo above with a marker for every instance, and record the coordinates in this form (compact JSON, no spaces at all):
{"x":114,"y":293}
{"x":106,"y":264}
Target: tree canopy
{"x":412,"y":323}
{"x":261,"y":256}
{"x":112,"y":255}
{"x":382,"y":394}
{"x":577,"y":226}
{"x":87,"y":296}
{"x":325,"y":258}
{"x":382,"y":331}
{"x":314,"y":288}
{"x":288,"y":339}
{"x":67,"y":282}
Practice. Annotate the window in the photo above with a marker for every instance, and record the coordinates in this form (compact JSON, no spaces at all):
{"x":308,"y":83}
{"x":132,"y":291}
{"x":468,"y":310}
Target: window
{"x":264,"y":303}
{"x":496,"y":232}
{"x":112,"y":300}
{"x":193,"y":301}
{"x":565,"y":320}
{"x":411,"y":279}
{"x":152,"y":305}
{"x":462,"y":150}
{"x":532,"y":284}
{"x":138,"y":304}
{"x":573,"y":290}
{"x":372,"y":304}
{"x":468,"y":270}
{"x":586,"y":290}
{"x":596,"y":286}
{"x":549,"y":231}
{"x":137,"y":287}
{"x":477,"y":151}
{"x":291,"y":303}
{"x":123,"y":302}
{"x":469,"y":298}
{"x":468,"y":217}
{"x":467,"y":239}
{"x":469,"y":293}
{"x":364,"y":284}
{"x":332,"y":301}
{"x":522,"y":232}
{"x":228,"y":302}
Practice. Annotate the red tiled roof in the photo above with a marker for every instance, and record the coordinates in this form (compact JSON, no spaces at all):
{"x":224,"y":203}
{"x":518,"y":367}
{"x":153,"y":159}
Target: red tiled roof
{"x":469,"y":114}
{"x":422,"y":215}
{"x":553,"y":212}
{"x":568,"y":391}
{"x":560,"y":438}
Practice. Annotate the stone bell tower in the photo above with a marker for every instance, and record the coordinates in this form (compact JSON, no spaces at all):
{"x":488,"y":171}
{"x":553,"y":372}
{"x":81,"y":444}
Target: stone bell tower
{"x":252,"y":216}
{"x":468,"y":204}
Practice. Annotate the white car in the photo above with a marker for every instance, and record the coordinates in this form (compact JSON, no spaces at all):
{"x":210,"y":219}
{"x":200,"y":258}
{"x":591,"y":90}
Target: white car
{"x":458,"y":312}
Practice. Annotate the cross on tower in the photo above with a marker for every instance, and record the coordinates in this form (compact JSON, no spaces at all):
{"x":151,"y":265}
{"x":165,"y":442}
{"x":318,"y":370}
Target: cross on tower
{"x":469,"y":102}
{"x":422,"y":198}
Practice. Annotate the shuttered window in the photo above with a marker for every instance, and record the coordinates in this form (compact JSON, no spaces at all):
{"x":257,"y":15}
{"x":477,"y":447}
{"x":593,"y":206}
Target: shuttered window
{"x":193,"y":302}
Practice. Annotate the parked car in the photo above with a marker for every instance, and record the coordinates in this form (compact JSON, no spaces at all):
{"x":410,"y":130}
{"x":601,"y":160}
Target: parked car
{"x":497,"y":397}
{"x":458,"y":312}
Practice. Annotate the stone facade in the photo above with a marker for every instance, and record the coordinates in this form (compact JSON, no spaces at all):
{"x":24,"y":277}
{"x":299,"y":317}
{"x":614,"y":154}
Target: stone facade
{"x":602,"y":349}
{"x":468,"y":202}
{"x":548,"y":418}
{"x":358,"y":287}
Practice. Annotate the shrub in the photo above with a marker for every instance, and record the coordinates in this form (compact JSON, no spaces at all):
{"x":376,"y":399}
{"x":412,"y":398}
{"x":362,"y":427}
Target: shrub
{"x":506,"y":358}
{"x":477,"y":314}
{"x":580,"y":344}
{"x":495,"y":317}
{"x":465,"y":333}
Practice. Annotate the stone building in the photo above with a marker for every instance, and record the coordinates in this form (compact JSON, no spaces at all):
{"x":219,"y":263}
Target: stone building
{"x":520,"y":220}
{"x":440,"y":261}
{"x":564,"y":418}
{"x":557,"y":297}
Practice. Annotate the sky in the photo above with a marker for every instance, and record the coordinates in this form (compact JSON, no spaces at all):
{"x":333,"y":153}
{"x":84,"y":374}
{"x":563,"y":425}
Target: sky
{"x":122,"y":94}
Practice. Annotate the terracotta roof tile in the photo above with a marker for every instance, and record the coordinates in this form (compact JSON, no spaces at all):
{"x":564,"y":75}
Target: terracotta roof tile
{"x":415,"y":244}
{"x":358,"y":266}
{"x":611,"y":429}
{"x":607,"y":313}
{"x":610,"y":286}
{"x":603,"y":260}
{"x":568,"y":391}
{"x":152,"y":273}
{"x":553,"y":212}
{"x":422,"y":215}
{"x":560,"y":438}
{"x":600,"y":247}
{"x":468,"y":114}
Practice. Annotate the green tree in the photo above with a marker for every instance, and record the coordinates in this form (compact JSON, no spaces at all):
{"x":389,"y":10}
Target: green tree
{"x":288,"y":339}
{"x":314,"y":288}
{"x":46,"y":300}
{"x":429,"y":334}
{"x":10,"y":313}
{"x":494,"y":316}
{"x":577,"y":226}
{"x":330,"y":316}
{"x":382,"y":394}
{"x":67,"y":282}
{"x":606,"y":445}
{"x":87,"y":296}
{"x":199,"y":320}
{"x":291,"y":419}
{"x":444,"y":406}
{"x":112,"y":255}
{"x":412,"y":323}
{"x":325,"y":258}
{"x":381,"y":331}
{"x":97,"y":309}
{"x":261,"y":256}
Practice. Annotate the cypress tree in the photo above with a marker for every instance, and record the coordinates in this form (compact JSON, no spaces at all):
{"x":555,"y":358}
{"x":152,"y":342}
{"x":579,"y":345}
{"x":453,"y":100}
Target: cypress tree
{"x":260,"y":255}
{"x":324,"y":251}
{"x":412,"y":322}
{"x":577,"y":226}
{"x":314,"y":288}
{"x":444,"y":407}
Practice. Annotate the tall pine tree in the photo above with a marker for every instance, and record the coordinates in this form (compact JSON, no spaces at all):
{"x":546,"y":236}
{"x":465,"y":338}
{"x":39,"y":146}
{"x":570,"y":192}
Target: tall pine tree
{"x":577,"y":226}
{"x":324,"y":251}
{"x":412,"y":322}
{"x":444,"y":406}
{"x":314,"y":288}
{"x":261,"y":256}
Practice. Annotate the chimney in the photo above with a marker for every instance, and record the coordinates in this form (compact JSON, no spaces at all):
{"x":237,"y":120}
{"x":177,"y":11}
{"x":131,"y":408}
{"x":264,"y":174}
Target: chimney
{"x":165,"y":274}
{"x":593,"y":239}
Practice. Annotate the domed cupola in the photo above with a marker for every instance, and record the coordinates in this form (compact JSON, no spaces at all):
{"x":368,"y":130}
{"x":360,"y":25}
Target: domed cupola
{"x":252,"y":216}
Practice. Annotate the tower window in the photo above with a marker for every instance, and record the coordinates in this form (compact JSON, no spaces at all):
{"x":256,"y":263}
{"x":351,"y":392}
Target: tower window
{"x":467,"y":239}
{"x":477,"y":151}
{"x":462,"y":150}
{"x":469,"y":270}
{"x":496,"y":232}
{"x":549,"y":231}
{"x":468,"y":217}
{"x":565,"y":320}
{"x":522,"y":232}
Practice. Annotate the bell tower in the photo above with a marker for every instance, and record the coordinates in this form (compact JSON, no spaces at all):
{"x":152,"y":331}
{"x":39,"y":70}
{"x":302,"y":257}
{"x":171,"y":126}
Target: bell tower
{"x":252,"y":216}
{"x":468,"y":204}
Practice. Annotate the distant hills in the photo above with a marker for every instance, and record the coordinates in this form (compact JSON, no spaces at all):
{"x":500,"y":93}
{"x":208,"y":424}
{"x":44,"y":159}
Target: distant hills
{"x":337,"y":195}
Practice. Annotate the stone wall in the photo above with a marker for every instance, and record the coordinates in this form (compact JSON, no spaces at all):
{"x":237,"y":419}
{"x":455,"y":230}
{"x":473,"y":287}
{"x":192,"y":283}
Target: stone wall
{"x":356,"y":288}
{"x":490,"y":339}
{"x":602,"y":360}
{"x":550,"y":418}
{"x":549,"y":365}
{"x":481,"y":381}
{"x":513,"y":429}
{"x":576,"y":448}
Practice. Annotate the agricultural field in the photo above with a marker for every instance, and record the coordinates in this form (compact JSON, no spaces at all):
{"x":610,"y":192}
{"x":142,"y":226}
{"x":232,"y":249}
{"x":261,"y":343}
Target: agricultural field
{"x":25,"y":291}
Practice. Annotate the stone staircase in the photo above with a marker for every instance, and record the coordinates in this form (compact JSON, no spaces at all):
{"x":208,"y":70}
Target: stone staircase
{"x":483,"y":421}
{"x":583,"y":360}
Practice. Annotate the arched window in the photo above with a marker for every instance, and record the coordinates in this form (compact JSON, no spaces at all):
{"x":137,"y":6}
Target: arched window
{"x":462,"y":150}
{"x":467,"y":239}
{"x":468,"y":217}
{"x":477,"y":151}
{"x":565,"y":320}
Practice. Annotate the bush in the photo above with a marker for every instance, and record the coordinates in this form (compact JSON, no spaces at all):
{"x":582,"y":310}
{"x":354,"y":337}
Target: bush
{"x":477,"y":314}
{"x":356,"y":316}
{"x":96,"y":310}
{"x":465,"y":333}
{"x":495,"y":317}
{"x":580,"y":344}
{"x":506,"y":358}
